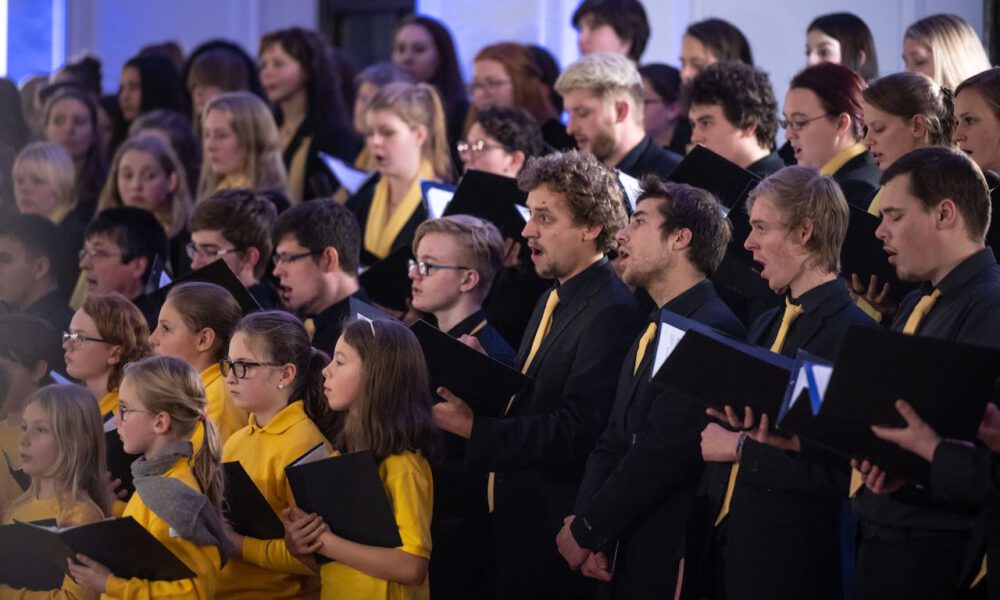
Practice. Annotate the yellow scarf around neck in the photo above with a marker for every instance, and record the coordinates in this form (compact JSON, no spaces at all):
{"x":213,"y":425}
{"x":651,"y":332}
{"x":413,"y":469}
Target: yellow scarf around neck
{"x":381,"y":232}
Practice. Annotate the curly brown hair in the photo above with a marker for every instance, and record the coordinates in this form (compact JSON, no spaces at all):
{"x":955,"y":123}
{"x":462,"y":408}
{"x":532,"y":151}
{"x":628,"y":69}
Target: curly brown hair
{"x":591,"y":190}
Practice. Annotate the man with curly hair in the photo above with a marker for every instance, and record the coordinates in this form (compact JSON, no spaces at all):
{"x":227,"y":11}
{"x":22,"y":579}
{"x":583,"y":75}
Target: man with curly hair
{"x":733,"y":113}
{"x":577,"y":336}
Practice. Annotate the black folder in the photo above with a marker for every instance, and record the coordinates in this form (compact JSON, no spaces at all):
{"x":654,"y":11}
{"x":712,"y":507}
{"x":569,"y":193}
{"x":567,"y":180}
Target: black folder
{"x":360,"y":308}
{"x":946,"y":382}
{"x":219,"y":273}
{"x":119,"y":461}
{"x":245,"y":507}
{"x":862,"y":254}
{"x":347,"y":492}
{"x":122,"y":545}
{"x":492,"y":197}
{"x":387,"y":282}
{"x":483,"y":382}
{"x":717,"y":370}
{"x":22,"y":479}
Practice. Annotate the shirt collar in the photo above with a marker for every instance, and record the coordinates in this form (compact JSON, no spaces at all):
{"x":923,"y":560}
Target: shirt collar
{"x":580,"y":281}
{"x":842,"y":158}
{"x":211,"y":374}
{"x":288,"y":416}
{"x":967,"y":270}
{"x":468,"y":324}
{"x":630,"y":160}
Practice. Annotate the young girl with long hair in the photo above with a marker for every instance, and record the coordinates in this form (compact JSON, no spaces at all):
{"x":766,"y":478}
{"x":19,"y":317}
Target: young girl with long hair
{"x":277,"y":376}
{"x":378,"y":379}
{"x":195,"y":324}
{"x":178,"y":491}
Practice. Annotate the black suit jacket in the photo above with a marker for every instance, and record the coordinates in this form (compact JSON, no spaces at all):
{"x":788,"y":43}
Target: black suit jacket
{"x":859,"y":179}
{"x":645,"y":468}
{"x":361,"y":203}
{"x":767,"y":165}
{"x":648,"y":157}
{"x":539,"y":448}
{"x":781,"y":537}
{"x":333,"y":138}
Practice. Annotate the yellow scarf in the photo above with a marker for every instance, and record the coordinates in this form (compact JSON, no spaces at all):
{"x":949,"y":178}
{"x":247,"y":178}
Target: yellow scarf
{"x":840,"y":159}
{"x":59,"y":214}
{"x":234,"y":181}
{"x":381,"y":232}
{"x":873,"y":208}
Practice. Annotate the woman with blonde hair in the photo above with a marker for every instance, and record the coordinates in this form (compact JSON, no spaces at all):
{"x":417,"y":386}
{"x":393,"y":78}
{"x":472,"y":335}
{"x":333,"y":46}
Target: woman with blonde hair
{"x":44,"y":181}
{"x":241,"y":146}
{"x":406,"y":135}
{"x":945,"y":48}
{"x":146,"y":174}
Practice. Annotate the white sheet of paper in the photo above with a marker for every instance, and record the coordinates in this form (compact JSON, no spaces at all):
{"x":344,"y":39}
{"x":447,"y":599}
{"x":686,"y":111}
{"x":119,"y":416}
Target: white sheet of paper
{"x":317,"y":453}
{"x":437,"y":201}
{"x":668,"y":339}
{"x":632,"y":188}
{"x":350,"y":179}
{"x":523,"y":211}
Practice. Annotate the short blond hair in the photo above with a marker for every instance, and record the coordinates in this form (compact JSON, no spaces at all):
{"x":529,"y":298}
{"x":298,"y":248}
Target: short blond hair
{"x":607,"y":76}
{"x":801,"y":194}
{"x":958,"y":52}
{"x":479,"y":243}
{"x":55,"y":166}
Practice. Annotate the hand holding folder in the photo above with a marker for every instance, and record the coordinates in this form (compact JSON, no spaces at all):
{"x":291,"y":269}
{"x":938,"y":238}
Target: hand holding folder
{"x":34,"y":557}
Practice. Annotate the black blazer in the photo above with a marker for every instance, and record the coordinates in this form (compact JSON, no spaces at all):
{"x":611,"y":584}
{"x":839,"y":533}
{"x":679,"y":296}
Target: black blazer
{"x":646,"y":466}
{"x":859,"y":179}
{"x":767,"y":165}
{"x":782,"y":534}
{"x":648,"y":157}
{"x":539,"y":448}
{"x":333,"y":138}
{"x":361,"y":203}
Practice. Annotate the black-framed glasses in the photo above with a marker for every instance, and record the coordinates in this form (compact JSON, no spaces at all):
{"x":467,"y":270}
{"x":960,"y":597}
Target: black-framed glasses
{"x":486,"y":85}
{"x":75,"y":338}
{"x":424,"y":268}
{"x":477,"y":147}
{"x":96,"y":254}
{"x":123,"y":411}
{"x":798,"y":124}
{"x":239,"y":367}
{"x":208,"y":251}
{"x":287,"y":259}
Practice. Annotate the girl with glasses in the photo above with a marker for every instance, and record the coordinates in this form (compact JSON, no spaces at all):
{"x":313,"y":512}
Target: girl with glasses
{"x":195,"y":324}
{"x":178,"y":490}
{"x":276,"y":376}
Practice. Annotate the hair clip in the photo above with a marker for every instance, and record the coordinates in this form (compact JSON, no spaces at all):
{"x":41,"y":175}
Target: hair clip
{"x":371,"y":323}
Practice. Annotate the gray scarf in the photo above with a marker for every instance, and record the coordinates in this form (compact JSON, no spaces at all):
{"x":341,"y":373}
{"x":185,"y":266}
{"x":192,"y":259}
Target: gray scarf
{"x":188,"y":512}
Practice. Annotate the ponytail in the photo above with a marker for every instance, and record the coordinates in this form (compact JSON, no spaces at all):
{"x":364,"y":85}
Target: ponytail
{"x":205,"y":463}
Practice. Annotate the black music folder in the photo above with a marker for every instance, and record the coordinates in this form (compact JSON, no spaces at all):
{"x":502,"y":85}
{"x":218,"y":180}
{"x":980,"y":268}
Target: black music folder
{"x":219,"y":273}
{"x":387,"y":282}
{"x":862,"y":254}
{"x":122,"y":545}
{"x":492,"y":197}
{"x":484,"y":383}
{"x":245,"y":507}
{"x":717,"y":370}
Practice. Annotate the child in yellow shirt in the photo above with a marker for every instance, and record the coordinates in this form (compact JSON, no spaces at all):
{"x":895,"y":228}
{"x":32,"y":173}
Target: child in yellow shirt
{"x":378,"y":379}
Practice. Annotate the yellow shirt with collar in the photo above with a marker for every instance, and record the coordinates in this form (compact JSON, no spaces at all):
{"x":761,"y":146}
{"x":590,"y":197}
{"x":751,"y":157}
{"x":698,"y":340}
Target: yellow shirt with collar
{"x":842,"y":158}
{"x":410,"y":489}
{"x":204,"y":561}
{"x":10,"y":440}
{"x":77,"y":513}
{"x":219,"y":407}
{"x":267,"y":569}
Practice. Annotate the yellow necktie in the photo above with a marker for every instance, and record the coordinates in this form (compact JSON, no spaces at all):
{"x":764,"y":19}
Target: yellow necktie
{"x":310,"y":326}
{"x":644,"y":341}
{"x":924,"y":306}
{"x":792,"y":312}
{"x":543,"y":330}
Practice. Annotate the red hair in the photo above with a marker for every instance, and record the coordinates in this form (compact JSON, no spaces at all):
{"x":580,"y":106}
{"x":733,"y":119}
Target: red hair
{"x":839,"y":91}
{"x":529,"y":90}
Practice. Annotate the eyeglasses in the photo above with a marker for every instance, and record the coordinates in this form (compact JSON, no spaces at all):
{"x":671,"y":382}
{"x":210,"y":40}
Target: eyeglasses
{"x":477,"y":147}
{"x":798,"y":124}
{"x":96,"y":254}
{"x":207,"y":251}
{"x":123,"y":412}
{"x":76,"y":338}
{"x":239,"y":368}
{"x":485,"y":86}
{"x":287,"y":259}
{"x":424,"y":268}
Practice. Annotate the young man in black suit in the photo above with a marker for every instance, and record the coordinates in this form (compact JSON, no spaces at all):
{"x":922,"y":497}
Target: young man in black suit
{"x":574,"y":345}
{"x":647,"y":464}
{"x":316,"y":248}
{"x":919,"y":543}
{"x":777,"y":527}
{"x":603,"y":95}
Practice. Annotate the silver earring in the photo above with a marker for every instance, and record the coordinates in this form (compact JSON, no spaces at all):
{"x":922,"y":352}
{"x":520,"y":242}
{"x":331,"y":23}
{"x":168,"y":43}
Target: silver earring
{"x":281,"y":386}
